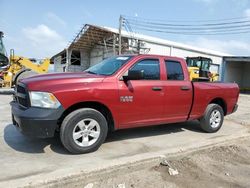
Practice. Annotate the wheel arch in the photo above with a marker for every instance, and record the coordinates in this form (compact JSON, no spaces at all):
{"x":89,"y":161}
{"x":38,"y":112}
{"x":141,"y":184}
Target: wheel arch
{"x":14,"y":79}
{"x":106,"y":112}
{"x":221,"y":102}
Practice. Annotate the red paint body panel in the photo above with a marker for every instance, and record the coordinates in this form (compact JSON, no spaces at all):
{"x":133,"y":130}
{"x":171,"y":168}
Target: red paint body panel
{"x":171,"y":104}
{"x":204,"y":93}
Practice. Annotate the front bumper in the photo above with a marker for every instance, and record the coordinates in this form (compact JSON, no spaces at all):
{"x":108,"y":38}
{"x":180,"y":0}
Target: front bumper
{"x":235,"y":108}
{"x":35,"y":122}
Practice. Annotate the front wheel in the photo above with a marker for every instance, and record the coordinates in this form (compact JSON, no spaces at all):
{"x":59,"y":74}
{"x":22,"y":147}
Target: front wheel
{"x":83,"y":131}
{"x":212,"y":119}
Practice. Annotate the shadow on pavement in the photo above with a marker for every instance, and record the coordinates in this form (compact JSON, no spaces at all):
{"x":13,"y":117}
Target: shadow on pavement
{"x":25,"y":144}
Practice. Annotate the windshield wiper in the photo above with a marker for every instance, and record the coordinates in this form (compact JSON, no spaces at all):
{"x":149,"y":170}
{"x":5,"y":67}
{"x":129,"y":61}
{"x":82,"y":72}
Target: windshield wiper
{"x":90,"y":72}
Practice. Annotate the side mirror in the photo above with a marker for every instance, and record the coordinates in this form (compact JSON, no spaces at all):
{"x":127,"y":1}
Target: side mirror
{"x":134,"y":75}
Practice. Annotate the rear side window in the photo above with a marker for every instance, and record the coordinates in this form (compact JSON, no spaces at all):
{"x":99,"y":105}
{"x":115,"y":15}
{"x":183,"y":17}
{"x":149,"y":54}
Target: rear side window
{"x":150,"y":67}
{"x":174,"y":70}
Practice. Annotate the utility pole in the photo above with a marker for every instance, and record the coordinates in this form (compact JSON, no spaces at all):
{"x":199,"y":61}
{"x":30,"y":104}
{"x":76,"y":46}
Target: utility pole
{"x":120,"y":35}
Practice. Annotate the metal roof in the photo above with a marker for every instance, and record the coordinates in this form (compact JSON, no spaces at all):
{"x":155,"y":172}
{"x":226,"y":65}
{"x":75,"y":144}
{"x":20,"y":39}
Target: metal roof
{"x":90,"y":35}
{"x":237,"y":58}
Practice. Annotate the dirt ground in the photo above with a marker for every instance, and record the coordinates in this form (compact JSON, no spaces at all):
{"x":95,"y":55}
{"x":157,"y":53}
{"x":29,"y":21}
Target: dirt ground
{"x":227,"y":165}
{"x":223,"y":166}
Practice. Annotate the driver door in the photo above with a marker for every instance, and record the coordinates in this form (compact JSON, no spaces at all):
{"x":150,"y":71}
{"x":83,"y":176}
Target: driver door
{"x":141,"y":101}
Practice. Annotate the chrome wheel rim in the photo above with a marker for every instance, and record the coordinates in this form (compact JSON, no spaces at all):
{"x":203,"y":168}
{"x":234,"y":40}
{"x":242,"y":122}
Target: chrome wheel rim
{"x":86,"y":132}
{"x":215,"y":119}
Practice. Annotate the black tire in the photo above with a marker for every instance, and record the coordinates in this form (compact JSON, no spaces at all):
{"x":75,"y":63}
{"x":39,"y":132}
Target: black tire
{"x":205,"y":120}
{"x":70,"y":124}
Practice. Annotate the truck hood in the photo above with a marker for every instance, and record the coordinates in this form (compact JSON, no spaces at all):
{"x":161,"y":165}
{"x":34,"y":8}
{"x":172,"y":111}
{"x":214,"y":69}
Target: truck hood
{"x":48,"y":82}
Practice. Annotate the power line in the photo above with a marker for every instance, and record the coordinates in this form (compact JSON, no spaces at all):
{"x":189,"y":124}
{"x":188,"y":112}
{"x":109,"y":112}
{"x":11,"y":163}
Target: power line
{"x":195,"y":33}
{"x":216,"y":28}
{"x":129,"y":26}
{"x":215,"y":25}
{"x":192,"y":28}
{"x":185,"y":21}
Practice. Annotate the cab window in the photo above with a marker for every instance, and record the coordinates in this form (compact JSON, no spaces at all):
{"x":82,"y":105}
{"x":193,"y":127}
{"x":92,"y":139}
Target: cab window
{"x":150,"y":67}
{"x":174,"y":70}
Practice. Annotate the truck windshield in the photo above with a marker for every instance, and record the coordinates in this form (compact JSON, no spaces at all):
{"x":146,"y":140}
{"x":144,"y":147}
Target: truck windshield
{"x":109,"y":66}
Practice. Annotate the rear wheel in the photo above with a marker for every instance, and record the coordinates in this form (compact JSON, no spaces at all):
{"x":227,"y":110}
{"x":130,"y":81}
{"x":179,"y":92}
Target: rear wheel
{"x":83,"y":131}
{"x":212,"y":119}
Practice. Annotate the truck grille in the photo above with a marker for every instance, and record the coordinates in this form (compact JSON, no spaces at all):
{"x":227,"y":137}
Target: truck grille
{"x":21,"y":95}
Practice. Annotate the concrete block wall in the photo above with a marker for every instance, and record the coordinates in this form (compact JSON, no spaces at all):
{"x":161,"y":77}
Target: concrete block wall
{"x":85,"y":59}
{"x":58,"y":66}
{"x":85,"y":62}
{"x":100,"y":53}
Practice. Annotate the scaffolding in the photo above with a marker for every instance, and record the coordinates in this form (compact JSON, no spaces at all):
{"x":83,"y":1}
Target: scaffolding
{"x":94,"y":38}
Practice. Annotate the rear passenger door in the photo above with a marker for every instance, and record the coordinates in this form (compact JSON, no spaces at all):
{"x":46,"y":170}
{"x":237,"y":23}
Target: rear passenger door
{"x":178,"y":91}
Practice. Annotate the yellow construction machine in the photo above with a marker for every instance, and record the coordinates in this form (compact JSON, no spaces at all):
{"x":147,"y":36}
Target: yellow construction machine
{"x":199,"y":69}
{"x":16,"y":67}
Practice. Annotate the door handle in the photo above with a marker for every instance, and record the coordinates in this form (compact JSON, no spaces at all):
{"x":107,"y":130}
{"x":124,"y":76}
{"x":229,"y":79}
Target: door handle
{"x":156,"y":88}
{"x":185,"y":88}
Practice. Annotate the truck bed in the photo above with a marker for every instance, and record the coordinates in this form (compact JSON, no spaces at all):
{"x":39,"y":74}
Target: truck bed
{"x":206,"y":92}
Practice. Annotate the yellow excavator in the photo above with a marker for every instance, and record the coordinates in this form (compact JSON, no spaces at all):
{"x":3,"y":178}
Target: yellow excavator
{"x":199,"y":69}
{"x":17,"y":67}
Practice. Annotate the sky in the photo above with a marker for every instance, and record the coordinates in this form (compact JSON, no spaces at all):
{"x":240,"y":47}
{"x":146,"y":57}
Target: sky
{"x":43,"y":28}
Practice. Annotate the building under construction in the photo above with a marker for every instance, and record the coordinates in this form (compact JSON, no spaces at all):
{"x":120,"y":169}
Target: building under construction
{"x":94,"y":43}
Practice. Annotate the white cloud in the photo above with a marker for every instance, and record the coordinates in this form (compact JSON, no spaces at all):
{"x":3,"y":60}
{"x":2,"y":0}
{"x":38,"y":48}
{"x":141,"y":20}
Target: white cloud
{"x":41,"y":33}
{"x":247,"y":13}
{"x":233,"y":47}
{"x":54,"y":19}
{"x":41,"y":41}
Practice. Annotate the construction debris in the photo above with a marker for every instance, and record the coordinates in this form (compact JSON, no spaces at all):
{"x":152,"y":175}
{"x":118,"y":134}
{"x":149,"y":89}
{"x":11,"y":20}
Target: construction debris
{"x":122,"y":185}
{"x":172,"y":171}
{"x":89,"y":185}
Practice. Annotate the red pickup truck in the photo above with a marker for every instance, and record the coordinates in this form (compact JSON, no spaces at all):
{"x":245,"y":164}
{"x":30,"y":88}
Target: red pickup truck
{"x":121,"y":92}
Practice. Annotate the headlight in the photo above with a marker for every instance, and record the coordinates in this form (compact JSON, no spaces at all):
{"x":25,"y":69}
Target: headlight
{"x":43,"y":100}
{"x":196,"y":72}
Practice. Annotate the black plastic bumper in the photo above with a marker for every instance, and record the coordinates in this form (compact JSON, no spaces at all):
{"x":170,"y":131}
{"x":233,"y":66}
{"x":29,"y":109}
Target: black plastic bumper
{"x":35,"y":122}
{"x":235,"y":108}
